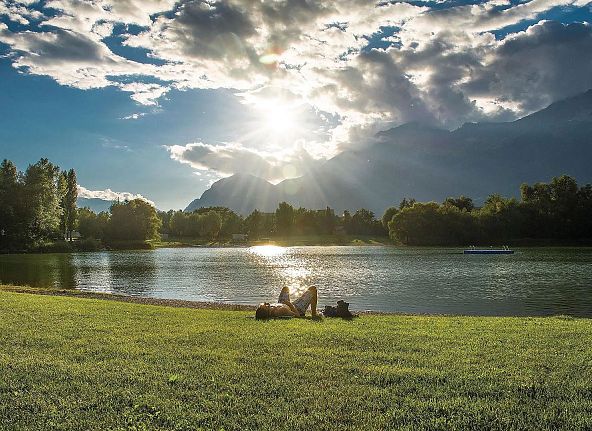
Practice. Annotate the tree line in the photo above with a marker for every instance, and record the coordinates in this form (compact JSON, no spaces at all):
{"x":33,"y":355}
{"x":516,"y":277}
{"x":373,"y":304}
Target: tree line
{"x":555,"y":211}
{"x":38,"y":211}
{"x":38,"y":207}
{"x":558,"y":211}
{"x":220,"y":223}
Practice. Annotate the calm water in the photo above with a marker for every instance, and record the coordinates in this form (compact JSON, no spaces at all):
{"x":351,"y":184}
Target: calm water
{"x":415,"y":280}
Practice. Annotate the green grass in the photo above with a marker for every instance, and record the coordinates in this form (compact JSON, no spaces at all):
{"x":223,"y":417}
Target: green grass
{"x":72,"y":363}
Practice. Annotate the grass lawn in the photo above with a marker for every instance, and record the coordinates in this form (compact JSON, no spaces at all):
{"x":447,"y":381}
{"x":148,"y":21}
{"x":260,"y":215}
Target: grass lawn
{"x":73,"y":363}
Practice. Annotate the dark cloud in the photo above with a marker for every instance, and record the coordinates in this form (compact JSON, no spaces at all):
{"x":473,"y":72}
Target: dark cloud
{"x":58,"y":46}
{"x":211,"y":30}
{"x":547,"y":62}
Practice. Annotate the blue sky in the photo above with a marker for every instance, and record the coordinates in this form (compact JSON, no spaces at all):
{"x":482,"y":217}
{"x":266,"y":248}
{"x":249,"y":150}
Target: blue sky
{"x":161,"y":98}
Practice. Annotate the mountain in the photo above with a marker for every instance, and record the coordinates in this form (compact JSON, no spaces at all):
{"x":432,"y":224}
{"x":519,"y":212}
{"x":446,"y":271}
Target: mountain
{"x":427,"y":163}
{"x":94,"y":204}
{"x":246,"y":192}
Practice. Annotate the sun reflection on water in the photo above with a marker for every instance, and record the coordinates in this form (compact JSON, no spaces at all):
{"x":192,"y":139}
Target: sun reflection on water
{"x":268,"y":250}
{"x":293,"y":272}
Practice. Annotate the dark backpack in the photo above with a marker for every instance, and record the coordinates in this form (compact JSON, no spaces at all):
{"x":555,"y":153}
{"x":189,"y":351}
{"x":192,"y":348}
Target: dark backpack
{"x":342,"y":310}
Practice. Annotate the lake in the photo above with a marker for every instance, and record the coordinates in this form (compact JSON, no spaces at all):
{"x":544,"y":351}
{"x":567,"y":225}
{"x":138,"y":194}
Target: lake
{"x":533,"y":281}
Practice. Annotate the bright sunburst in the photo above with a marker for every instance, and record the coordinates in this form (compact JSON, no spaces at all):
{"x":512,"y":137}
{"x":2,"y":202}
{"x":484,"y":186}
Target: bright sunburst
{"x":278,"y":118}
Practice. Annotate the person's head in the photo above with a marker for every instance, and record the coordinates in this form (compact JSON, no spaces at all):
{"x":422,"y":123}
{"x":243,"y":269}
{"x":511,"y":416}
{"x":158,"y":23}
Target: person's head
{"x":263,"y":311}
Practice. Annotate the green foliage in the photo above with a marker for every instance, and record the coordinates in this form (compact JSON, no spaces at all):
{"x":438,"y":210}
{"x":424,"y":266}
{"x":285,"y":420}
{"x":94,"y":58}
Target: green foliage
{"x":407,"y":203}
{"x":254,"y":224}
{"x":32,"y":205}
{"x":210,"y":224}
{"x":70,"y":198}
{"x":89,"y":244}
{"x":558,"y":210}
{"x":68,"y":193}
{"x":41,"y":194}
{"x":388,"y":215}
{"x":82,"y":364}
{"x":432,"y":224}
{"x":462,"y":203}
{"x":284,"y":218}
{"x":92,"y":225}
{"x":11,"y":206}
{"x":133,"y":220}
{"x":364,"y":223}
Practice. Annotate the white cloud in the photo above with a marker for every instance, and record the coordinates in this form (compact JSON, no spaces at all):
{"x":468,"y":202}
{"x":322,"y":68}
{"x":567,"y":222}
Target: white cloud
{"x":443,"y":65}
{"x":134,"y":116}
{"x":110,"y":195}
{"x":229,"y":158}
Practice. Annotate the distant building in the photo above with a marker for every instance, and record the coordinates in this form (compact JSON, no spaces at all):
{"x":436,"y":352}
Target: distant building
{"x":75,"y":235}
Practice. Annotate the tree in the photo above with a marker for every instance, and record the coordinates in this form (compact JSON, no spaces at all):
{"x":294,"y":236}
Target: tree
{"x":70,"y":202}
{"x":463,"y":203}
{"x":432,"y":224}
{"x":91,"y":225}
{"x":10,"y":228}
{"x":284,"y":218}
{"x":407,"y":203}
{"x":328,"y":221}
{"x":210,"y":225}
{"x":133,"y":220}
{"x":501,"y":219}
{"x":388,"y":216}
{"x":43,"y":201}
{"x":62,"y":186}
{"x":178,"y":224}
{"x":165,"y":220}
{"x":364,"y":223}
{"x":254,"y":224}
{"x":231,"y":223}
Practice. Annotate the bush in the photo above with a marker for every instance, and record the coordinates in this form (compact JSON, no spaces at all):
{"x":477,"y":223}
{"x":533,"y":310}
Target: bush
{"x":53,"y":247}
{"x":128,"y":245}
{"x":89,"y":244}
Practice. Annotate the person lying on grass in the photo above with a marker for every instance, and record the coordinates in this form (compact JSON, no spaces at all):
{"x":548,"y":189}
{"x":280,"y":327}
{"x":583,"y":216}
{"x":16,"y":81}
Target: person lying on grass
{"x":286,"y":308}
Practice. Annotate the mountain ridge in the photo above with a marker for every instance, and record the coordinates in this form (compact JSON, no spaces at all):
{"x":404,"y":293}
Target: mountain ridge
{"x":428,"y":163}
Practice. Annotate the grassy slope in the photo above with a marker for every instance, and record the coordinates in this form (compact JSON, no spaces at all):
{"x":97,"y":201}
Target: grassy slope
{"x":70,"y":363}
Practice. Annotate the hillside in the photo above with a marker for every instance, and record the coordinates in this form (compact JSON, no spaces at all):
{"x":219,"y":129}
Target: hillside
{"x":427,"y":163}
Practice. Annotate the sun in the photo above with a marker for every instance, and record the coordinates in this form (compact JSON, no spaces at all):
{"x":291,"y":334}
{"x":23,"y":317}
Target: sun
{"x":279,"y":118}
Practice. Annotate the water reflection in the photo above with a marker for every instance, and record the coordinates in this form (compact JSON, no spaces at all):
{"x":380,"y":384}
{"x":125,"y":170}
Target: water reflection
{"x":267,"y":250}
{"x":288,"y":268}
{"x":133,"y":273}
{"x":531,"y":282}
{"x":46,"y":270}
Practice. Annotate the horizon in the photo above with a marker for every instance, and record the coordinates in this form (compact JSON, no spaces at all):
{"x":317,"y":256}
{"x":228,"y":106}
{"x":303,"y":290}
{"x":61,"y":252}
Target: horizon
{"x":160,"y":100}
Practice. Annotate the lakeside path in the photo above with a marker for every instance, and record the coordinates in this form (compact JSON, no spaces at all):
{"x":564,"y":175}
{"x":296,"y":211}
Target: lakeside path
{"x":72,"y":363}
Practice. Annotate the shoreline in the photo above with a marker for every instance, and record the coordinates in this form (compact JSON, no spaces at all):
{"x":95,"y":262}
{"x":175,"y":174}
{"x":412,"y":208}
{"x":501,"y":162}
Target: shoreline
{"x":226,"y":306}
{"x":177,"y":303}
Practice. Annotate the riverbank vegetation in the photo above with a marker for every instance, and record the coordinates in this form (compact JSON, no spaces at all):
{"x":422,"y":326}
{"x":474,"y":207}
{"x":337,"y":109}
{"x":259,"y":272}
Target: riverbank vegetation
{"x":37,"y":206}
{"x":555,"y":212}
{"x":558,"y":213}
{"x":69,"y":363}
{"x":38,"y":213}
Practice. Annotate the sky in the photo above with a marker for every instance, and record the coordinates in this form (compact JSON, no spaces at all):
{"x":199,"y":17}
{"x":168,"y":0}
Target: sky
{"x":159,"y":99}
